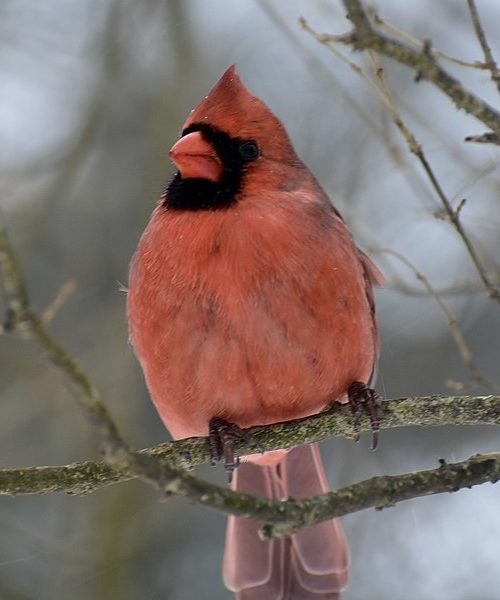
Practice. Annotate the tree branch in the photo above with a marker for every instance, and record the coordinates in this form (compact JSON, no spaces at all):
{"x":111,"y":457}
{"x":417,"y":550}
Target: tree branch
{"x":466,"y":355}
{"x":286,"y":517}
{"x":365,"y":37}
{"x":489,"y":61}
{"x":87,"y":477}
{"x":21,"y":318}
{"x":381,"y":492}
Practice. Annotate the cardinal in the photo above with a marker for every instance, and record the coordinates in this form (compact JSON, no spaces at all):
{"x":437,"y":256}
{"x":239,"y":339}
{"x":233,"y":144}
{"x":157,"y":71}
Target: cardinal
{"x":249,"y":304}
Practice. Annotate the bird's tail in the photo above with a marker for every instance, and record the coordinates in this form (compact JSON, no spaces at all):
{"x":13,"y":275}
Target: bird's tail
{"x":309,"y":565}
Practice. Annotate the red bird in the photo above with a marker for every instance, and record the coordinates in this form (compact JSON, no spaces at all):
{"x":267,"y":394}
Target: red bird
{"x":249,"y":304}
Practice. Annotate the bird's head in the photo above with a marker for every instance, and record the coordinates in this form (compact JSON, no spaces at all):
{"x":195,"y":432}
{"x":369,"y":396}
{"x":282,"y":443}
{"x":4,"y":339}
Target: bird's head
{"x":229,"y":137}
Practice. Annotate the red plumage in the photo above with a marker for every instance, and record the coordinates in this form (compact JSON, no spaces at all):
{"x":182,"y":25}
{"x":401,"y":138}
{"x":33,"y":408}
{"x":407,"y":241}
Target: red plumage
{"x":249,"y":301}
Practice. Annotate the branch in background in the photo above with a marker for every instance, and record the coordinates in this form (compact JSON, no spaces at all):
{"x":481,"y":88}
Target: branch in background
{"x":476,"y":378}
{"x":489,"y":61}
{"x":404,"y":35}
{"x":453,"y":214}
{"x":484,"y":138}
{"x":365,"y":37}
{"x":460,"y":288}
{"x":21,"y":318}
{"x":64,"y":293}
{"x":316,"y":66}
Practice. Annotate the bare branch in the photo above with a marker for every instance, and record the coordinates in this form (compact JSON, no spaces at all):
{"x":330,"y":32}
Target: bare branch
{"x":87,"y":477}
{"x":365,"y":37}
{"x":484,"y":138}
{"x":463,"y":349}
{"x":391,"y":28}
{"x":22,"y":318}
{"x":381,"y":492}
{"x":118,"y":457}
{"x":64,"y":293}
{"x":316,"y":66}
{"x":489,"y":61}
{"x":286,"y":517}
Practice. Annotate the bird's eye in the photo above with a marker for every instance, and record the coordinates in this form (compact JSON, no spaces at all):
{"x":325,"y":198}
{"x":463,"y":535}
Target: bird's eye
{"x":248,"y":151}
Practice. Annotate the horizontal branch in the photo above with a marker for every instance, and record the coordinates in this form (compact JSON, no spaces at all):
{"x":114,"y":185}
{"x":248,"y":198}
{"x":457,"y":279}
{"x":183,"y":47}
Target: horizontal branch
{"x":381,"y":492}
{"x":87,"y":477}
{"x":282,"y":518}
{"x":285,"y":517}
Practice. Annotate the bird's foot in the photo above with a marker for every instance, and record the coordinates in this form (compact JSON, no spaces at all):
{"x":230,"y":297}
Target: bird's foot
{"x":221,"y":438}
{"x":363,"y":398}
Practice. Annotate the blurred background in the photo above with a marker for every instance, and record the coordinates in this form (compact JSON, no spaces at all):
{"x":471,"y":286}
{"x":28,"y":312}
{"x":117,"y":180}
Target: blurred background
{"x":93,"y":94}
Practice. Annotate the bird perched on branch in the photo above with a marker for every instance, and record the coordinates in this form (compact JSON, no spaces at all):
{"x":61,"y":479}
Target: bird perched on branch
{"x":249,"y":304}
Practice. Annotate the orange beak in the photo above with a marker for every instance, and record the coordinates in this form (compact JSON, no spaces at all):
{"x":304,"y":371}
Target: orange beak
{"x":194,"y":157}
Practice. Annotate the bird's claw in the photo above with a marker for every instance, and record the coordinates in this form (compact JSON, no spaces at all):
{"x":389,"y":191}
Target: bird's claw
{"x":363,"y":398}
{"x":221,"y":438}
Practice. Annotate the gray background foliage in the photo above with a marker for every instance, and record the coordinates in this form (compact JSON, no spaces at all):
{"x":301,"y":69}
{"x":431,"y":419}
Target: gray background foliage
{"x":92,"y":96}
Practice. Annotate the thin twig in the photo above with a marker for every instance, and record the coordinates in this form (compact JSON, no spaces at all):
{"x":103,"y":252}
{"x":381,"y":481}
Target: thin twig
{"x":325,"y":40}
{"x":463,"y":349}
{"x":452,"y":213}
{"x":484,"y":138}
{"x":465,"y":288}
{"x":404,"y":35}
{"x":454,"y":217}
{"x":316,"y":66}
{"x":394,"y":151}
{"x":64,"y":293}
{"x":22,"y":318}
{"x":489,"y":61}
